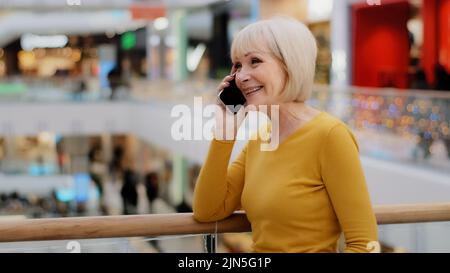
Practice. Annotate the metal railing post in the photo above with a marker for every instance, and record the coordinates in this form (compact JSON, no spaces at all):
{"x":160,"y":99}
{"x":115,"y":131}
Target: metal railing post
{"x":210,"y":243}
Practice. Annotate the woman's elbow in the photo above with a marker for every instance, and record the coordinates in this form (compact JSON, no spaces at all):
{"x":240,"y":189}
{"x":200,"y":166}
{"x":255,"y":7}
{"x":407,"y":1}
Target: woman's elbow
{"x":201,"y":213}
{"x":201,"y":216}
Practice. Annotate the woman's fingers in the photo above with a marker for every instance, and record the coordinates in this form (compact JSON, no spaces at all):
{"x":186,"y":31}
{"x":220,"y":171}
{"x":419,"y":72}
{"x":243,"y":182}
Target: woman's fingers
{"x":222,"y":86}
{"x":228,"y":78}
{"x":233,"y":70}
{"x":225,"y":82}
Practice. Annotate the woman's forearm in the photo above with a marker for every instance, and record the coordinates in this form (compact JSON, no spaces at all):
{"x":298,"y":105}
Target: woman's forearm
{"x":211,"y":189}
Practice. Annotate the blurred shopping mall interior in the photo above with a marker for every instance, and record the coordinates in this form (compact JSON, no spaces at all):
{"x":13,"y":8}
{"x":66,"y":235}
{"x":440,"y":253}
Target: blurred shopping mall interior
{"x":87,"y":88}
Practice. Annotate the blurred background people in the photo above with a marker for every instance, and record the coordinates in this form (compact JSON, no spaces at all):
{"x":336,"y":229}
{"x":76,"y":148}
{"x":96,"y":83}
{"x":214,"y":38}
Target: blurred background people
{"x":129,"y":191}
{"x":97,"y":172}
{"x":151,"y":182}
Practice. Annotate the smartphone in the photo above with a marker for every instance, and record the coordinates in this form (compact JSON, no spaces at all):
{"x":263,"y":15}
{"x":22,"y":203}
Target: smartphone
{"x":232,"y":97}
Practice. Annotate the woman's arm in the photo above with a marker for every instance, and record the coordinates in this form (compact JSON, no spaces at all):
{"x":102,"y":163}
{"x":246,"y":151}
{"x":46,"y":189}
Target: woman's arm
{"x":218,"y":189}
{"x":344,"y":180}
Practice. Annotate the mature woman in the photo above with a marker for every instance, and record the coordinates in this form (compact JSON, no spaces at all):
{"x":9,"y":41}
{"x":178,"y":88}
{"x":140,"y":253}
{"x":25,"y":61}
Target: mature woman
{"x":301,"y":196}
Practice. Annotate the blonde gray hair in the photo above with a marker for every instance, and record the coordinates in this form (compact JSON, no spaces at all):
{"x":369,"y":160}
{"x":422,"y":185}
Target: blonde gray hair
{"x":289,"y":41}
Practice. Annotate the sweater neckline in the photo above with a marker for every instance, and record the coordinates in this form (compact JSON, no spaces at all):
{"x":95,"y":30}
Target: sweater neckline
{"x":301,"y":129}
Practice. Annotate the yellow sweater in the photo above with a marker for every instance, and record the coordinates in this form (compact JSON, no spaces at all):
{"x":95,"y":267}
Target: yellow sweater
{"x":299,"y":197}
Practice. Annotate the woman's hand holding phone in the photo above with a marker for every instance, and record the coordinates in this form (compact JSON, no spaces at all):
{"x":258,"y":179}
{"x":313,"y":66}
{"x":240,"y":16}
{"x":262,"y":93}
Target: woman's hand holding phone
{"x":227,"y":122}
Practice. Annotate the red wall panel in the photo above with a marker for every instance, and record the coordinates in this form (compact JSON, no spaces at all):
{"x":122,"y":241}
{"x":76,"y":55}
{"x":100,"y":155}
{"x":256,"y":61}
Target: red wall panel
{"x":430,"y":38}
{"x":444,"y":33}
{"x":380,"y":44}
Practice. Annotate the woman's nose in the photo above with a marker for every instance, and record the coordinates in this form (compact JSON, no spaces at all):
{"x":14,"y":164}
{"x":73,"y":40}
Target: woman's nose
{"x":242,"y":77}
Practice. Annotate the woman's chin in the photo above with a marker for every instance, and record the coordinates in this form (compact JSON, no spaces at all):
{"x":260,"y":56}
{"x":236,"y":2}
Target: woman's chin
{"x":256,"y":103}
{"x":252,"y":104}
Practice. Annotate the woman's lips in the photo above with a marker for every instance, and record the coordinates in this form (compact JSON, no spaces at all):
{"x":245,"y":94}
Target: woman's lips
{"x":249,"y":93}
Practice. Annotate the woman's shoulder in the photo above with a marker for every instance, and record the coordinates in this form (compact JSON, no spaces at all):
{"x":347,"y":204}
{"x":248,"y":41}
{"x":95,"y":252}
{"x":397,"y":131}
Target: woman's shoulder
{"x":329,"y":120}
{"x":329,"y":123}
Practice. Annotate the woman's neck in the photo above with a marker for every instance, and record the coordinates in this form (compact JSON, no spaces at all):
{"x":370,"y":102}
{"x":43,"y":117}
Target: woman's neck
{"x":293,"y":115}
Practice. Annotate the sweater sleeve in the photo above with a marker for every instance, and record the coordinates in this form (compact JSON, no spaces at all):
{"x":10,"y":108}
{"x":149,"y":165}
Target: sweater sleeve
{"x":344,"y":180}
{"x":218,"y":189}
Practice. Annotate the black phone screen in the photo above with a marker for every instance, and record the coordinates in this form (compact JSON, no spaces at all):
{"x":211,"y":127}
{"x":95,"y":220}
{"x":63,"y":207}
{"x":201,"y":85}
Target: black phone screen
{"x":232,"y":97}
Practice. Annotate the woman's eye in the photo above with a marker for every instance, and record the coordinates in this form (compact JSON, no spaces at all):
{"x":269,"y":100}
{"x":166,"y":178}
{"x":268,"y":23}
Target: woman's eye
{"x":255,"y":60}
{"x":237,"y":65}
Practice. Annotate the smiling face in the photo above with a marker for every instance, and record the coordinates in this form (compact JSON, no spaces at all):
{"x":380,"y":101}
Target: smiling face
{"x":260,"y":76}
{"x":277,"y":54}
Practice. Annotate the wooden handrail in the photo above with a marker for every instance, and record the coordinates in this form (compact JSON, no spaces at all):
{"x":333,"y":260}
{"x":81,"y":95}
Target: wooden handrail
{"x":412,"y":213}
{"x":153,"y":225}
{"x":150,"y":225}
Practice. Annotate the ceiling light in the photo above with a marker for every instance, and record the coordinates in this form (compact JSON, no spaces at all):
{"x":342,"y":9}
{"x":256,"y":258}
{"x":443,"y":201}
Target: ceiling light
{"x":31,"y":41}
{"x":161,"y":23}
